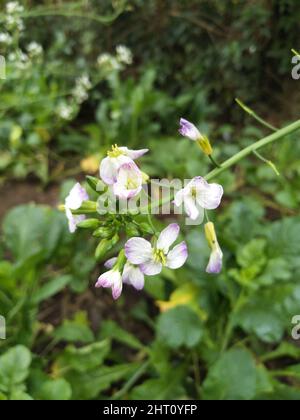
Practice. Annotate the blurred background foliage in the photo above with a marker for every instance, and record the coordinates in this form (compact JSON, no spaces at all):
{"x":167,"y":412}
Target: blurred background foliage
{"x":70,"y":93}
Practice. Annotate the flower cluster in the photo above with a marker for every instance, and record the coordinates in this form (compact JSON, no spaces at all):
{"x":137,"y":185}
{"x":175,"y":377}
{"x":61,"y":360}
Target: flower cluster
{"x":108,"y":62}
{"x":140,"y":256}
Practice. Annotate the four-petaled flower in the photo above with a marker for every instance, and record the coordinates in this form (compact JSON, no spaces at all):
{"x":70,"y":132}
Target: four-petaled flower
{"x":216,"y":256}
{"x":118,"y":156}
{"x":74,"y":201}
{"x":151,"y":259}
{"x":129,"y":181}
{"x":199,"y":195}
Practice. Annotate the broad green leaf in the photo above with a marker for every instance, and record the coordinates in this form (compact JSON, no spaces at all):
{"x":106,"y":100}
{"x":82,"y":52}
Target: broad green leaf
{"x":76,"y":330}
{"x":14,"y":367}
{"x":232,"y":377}
{"x":179,"y":326}
{"x":55,"y":389}
{"x":32,"y":230}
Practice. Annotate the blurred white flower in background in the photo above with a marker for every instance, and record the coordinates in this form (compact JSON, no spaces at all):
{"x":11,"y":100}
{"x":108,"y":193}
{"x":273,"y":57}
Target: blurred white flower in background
{"x":34,"y":49}
{"x":82,"y":86}
{"x":124,"y":55}
{"x":5,"y":38}
{"x":65,"y":111}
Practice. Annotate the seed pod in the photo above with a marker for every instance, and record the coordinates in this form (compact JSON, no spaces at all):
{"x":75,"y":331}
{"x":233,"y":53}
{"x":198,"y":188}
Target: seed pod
{"x":146,"y":228}
{"x":103,"y":232}
{"x":103,"y":248}
{"x":115,"y":239}
{"x":96,"y":184}
{"x":132,"y":230}
{"x":89,"y":224}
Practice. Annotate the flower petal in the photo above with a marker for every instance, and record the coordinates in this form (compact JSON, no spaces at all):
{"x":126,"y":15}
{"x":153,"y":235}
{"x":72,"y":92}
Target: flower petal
{"x":191,"y":207}
{"x":73,"y":220}
{"x":108,"y":278}
{"x":167,"y":237}
{"x":138,"y":250}
{"x":178,"y":256}
{"x":109,"y":167}
{"x":189,"y":130}
{"x":151,"y":268}
{"x":129,"y":181}
{"x":215,"y":261}
{"x":110,"y":263}
{"x":133,"y":154}
{"x":133,"y":275}
{"x":117,"y":288}
{"x":208,"y":196}
{"x":76,"y":197}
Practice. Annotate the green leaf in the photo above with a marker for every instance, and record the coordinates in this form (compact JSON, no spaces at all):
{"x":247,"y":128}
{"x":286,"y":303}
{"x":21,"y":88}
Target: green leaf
{"x":84,"y":358}
{"x":76,"y":330}
{"x":32,"y":230}
{"x":168,"y":387}
{"x":179,"y":326}
{"x":232,"y":377}
{"x":259,"y":318}
{"x":110,"y":329}
{"x":89,"y":384}
{"x":51,"y":288}
{"x":55,"y":389}
{"x":14,"y":367}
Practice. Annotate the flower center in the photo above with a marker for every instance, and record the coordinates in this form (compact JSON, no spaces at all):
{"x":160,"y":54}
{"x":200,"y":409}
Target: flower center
{"x":159,"y":256}
{"x":115,"y":152}
{"x":131,"y":184}
{"x":194,"y":192}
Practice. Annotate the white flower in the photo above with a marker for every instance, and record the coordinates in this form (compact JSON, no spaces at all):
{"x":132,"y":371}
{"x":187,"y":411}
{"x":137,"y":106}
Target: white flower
{"x":65,"y":111}
{"x":199,"y":195}
{"x":108,"y":62}
{"x":111,"y":279}
{"x":118,"y":156}
{"x":82,"y":86}
{"x":124,"y":55}
{"x":151,"y":259}
{"x":131,"y":275}
{"x":34,"y":49}
{"x":74,"y":201}
{"x":129,"y":181}
{"x":14,"y":7}
{"x":5,"y":38}
{"x":216,"y":256}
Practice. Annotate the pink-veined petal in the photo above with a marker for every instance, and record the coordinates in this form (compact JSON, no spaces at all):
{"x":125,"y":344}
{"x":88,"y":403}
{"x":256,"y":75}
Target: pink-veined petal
{"x":167,"y":237}
{"x":110,"y":263}
{"x":134,"y":154}
{"x":108,"y":278}
{"x":109,"y":167}
{"x":138,"y":250}
{"x":135,"y":277}
{"x":191,"y":207}
{"x":151,"y":268}
{"x":177,"y":256}
{"x":76,"y":197}
{"x":208,"y":196}
{"x":215,"y":261}
{"x":187,"y":129}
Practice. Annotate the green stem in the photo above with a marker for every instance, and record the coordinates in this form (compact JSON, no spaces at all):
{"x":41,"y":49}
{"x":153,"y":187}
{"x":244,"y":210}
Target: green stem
{"x":254,"y":115}
{"x":278,"y":135}
{"x":253,"y":147}
{"x":214,"y":162}
{"x":140,"y":372}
